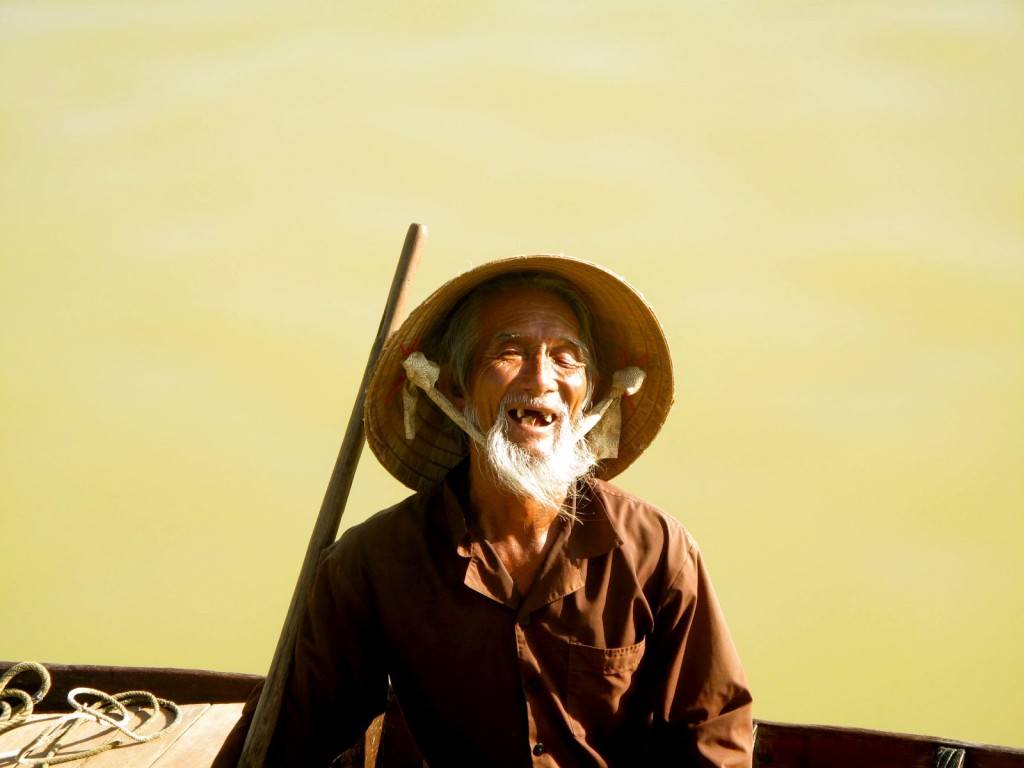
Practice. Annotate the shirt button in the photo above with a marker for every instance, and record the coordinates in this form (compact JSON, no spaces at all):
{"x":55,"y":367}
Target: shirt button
{"x":539,"y":749}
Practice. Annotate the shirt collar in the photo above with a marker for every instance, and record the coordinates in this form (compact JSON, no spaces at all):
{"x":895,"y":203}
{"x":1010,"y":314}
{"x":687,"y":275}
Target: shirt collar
{"x":592,"y":533}
{"x":455,"y":493}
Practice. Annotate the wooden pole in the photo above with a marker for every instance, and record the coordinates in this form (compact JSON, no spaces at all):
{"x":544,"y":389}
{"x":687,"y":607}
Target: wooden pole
{"x":325,"y":531}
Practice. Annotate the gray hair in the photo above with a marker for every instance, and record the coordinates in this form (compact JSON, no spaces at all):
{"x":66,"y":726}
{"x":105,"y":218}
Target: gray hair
{"x":454,"y":348}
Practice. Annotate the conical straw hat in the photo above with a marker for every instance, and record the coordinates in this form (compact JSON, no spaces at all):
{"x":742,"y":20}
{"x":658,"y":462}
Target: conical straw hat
{"x":625,"y":331}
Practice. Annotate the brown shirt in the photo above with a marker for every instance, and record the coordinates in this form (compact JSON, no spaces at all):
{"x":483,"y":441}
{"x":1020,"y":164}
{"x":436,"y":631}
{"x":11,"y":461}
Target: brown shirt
{"x":618,"y":655}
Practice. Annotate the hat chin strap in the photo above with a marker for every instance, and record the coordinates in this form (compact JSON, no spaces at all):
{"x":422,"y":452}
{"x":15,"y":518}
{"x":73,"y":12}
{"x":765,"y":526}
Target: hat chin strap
{"x":422,"y":373}
{"x":603,"y":422}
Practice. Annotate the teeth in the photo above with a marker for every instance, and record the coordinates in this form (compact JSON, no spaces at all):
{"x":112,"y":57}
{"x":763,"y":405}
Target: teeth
{"x":535,"y":418}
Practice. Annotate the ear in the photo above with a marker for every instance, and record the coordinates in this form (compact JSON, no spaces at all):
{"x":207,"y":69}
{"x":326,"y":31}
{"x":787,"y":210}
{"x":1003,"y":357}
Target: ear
{"x":448,"y":388}
{"x":594,"y":381}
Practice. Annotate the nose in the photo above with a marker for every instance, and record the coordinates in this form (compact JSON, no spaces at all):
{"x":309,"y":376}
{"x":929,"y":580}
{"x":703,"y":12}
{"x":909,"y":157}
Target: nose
{"x":538,"y":374}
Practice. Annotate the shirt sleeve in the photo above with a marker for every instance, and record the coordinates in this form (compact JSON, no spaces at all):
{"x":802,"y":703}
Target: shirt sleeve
{"x":703,"y":706}
{"x":338,"y":680}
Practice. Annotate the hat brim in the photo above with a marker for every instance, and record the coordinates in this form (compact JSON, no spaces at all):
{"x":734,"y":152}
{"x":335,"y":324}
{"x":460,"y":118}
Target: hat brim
{"x":626,"y":332}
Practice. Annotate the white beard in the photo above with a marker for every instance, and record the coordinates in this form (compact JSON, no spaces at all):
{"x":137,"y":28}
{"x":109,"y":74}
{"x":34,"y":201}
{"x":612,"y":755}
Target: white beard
{"x":547,"y":479}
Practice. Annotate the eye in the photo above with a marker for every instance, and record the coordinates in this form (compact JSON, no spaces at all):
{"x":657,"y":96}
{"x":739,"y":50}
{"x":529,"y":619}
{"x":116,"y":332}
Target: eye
{"x":567,"y":358}
{"x":508,"y":352}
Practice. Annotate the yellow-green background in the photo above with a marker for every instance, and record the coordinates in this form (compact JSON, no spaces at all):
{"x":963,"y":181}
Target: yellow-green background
{"x":200,"y":208}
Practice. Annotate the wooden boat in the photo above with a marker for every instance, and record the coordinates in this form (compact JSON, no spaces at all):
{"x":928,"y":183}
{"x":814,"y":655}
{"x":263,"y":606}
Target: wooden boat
{"x":211,"y":703}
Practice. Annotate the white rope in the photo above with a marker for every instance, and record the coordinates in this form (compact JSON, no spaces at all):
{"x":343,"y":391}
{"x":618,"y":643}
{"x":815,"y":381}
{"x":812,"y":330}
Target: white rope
{"x":108,"y":710}
{"x":11,"y":716}
{"x":604,"y":421}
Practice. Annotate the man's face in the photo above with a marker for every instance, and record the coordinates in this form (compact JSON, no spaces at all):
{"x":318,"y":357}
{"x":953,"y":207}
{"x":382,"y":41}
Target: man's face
{"x":529,"y":351}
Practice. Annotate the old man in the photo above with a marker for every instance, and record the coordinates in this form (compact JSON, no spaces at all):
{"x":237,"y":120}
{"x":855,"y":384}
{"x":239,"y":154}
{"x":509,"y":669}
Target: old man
{"x":525,"y":611}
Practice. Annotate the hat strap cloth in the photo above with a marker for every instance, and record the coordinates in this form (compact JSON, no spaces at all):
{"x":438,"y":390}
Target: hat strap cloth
{"x":604,"y":421}
{"x":423,"y":373}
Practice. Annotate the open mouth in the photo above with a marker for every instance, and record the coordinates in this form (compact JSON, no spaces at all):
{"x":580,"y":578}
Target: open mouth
{"x":531,"y":417}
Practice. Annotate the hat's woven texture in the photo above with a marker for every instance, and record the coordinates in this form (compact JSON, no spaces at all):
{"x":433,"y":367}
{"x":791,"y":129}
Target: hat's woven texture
{"x":626,"y":332}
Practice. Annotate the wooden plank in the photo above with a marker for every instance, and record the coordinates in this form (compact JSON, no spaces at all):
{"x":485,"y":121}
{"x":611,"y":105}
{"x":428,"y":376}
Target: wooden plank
{"x":86,"y":735}
{"x":146,"y":753}
{"x":199,"y":745}
{"x":20,"y":735}
{"x":781,"y":745}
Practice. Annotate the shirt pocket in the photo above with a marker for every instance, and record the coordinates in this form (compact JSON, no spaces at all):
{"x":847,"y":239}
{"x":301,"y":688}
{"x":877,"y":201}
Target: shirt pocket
{"x":600,"y":681}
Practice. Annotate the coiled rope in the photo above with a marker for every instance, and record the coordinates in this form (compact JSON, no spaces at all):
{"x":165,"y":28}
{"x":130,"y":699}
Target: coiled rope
{"x":104,"y":709}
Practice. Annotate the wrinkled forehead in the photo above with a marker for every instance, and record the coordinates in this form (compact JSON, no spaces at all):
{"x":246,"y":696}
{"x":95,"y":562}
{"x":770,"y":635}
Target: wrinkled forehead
{"x":525,"y":311}
{"x":532,"y":290}
{"x":548,"y":311}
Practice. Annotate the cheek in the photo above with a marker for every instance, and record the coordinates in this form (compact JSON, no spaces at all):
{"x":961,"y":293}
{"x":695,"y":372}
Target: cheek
{"x":578,"y":388}
{"x":486,"y":390}
{"x":496,"y":377}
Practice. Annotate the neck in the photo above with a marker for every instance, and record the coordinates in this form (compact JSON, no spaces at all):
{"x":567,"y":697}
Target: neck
{"x":501,"y":514}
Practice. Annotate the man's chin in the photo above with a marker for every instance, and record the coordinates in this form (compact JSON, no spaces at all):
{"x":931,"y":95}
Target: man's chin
{"x":536,"y":448}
